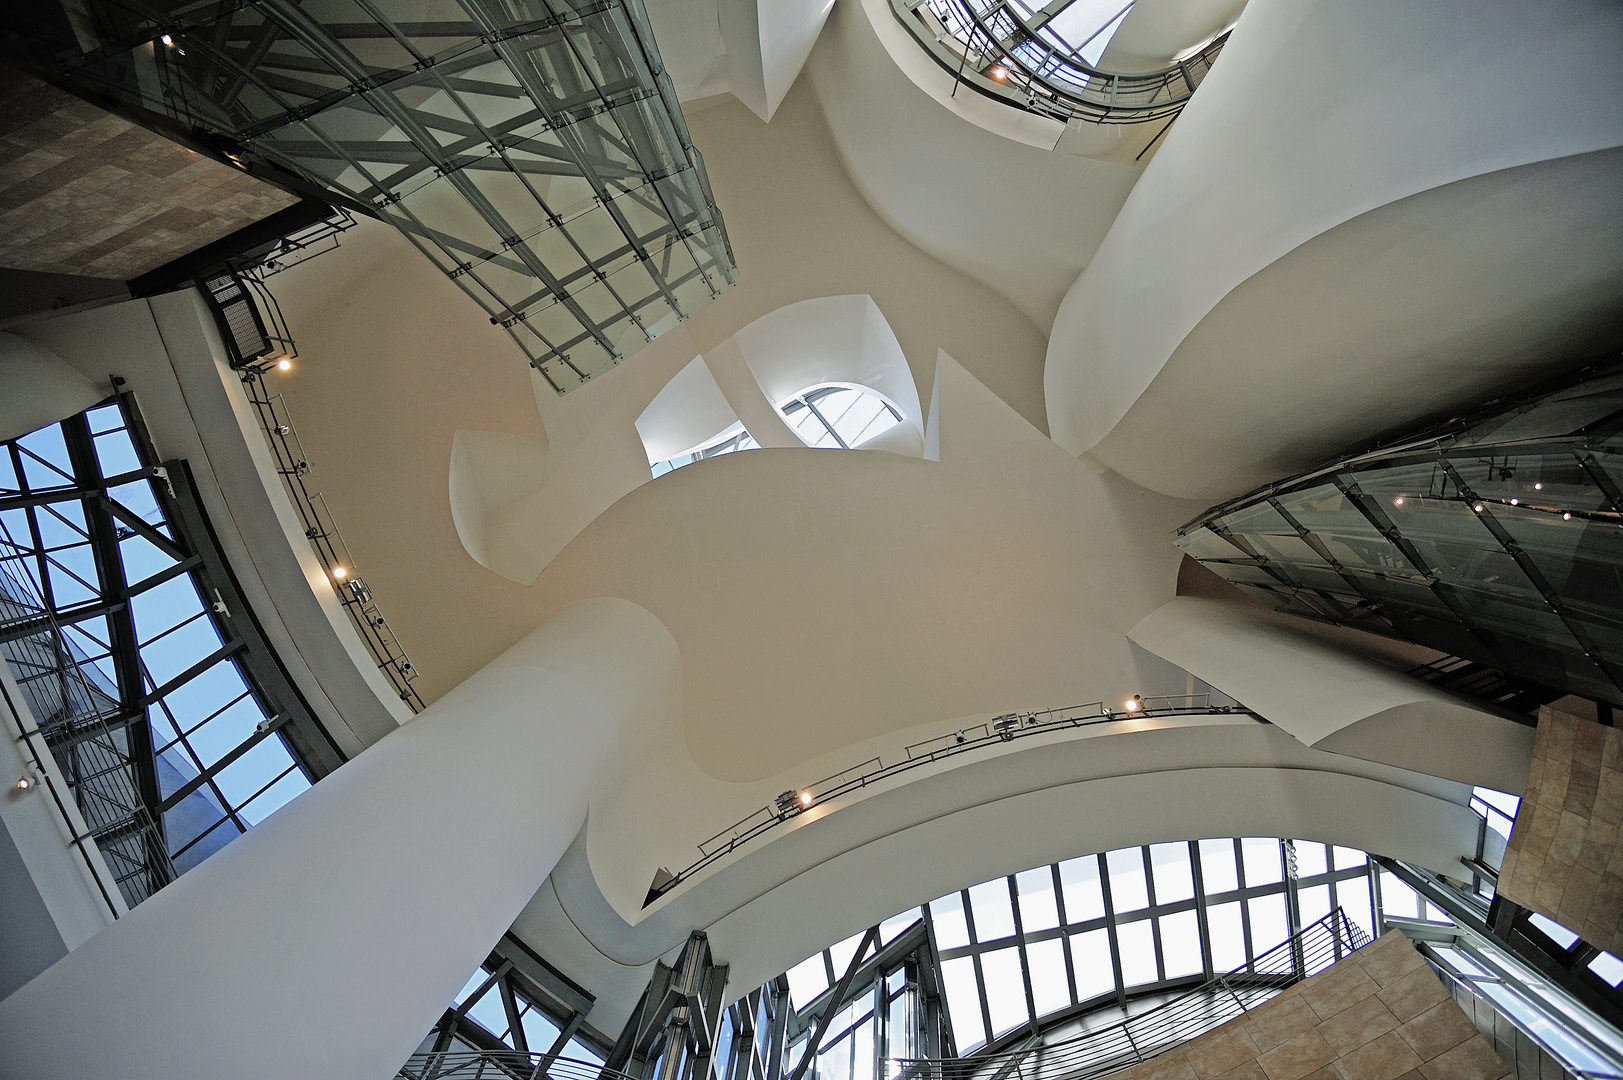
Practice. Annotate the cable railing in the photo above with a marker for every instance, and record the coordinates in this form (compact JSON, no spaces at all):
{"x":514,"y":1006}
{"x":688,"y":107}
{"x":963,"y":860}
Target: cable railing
{"x":502,"y":1065}
{"x":992,"y":47}
{"x":1000,"y":729}
{"x":1139,"y":1038}
{"x":94,"y":757}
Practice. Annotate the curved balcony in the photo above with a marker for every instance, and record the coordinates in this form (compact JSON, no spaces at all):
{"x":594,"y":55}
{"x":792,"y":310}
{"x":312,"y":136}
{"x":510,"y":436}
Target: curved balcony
{"x":1020,"y":57}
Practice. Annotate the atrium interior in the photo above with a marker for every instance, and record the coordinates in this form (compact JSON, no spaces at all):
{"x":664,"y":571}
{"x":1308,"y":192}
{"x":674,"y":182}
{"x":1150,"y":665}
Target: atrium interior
{"x":811,"y":540}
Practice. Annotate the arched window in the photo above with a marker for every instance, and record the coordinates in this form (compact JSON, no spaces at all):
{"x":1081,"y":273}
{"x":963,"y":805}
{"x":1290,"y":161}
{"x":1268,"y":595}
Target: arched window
{"x":732,"y":439}
{"x":838,"y":415}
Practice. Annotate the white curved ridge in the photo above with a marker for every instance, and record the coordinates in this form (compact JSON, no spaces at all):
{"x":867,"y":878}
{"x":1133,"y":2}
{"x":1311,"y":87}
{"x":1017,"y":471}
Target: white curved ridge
{"x":1318,"y":114}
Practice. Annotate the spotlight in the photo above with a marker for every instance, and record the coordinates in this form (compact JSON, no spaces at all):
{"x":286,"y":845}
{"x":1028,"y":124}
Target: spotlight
{"x":1134,"y":703}
{"x":1515,"y":502}
{"x":1000,"y":73}
{"x":1477,"y":507}
{"x":340,"y":573}
{"x":25,"y":783}
{"x":792,"y":801}
{"x":1398,"y":501}
{"x":284,"y":365}
{"x":1566,"y":517}
{"x":1538,"y":487}
{"x":804,"y":798}
{"x":167,"y":40}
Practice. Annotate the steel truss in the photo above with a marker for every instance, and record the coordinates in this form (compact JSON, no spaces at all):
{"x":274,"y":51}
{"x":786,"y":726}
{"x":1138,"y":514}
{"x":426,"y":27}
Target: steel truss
{"x":533,"y":149}
{"x":80,"y":662}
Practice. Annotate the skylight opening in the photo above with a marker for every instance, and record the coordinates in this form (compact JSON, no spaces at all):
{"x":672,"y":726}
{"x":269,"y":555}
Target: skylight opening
{"x":839,"y":416}
{"x":1088,"y":25}
{"x":729,"y":441}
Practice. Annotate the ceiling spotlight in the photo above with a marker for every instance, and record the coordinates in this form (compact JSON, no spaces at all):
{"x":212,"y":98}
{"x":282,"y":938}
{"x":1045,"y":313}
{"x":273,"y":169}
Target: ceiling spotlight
{"x":25,"y":783}
{"x":1398,"y":501}
{"x":804,"y":798}
{"x":1515,"y":502}
{"x":1566,"y":517}
{"x":1134,"y":703}
{"x":284,"y":364}
{"x":340,"y":573}
{"x":167,"y":40}
{"x":1538,"y":487}
{"x":1477,"y":507}
{"x":1000,"y":73}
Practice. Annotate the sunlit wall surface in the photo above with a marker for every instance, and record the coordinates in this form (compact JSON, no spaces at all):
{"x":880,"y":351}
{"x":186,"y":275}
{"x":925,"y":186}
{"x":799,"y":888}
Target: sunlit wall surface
{"x":1496,"y":538}
{"x":82,"y":528}
{"x":1100,"y":928}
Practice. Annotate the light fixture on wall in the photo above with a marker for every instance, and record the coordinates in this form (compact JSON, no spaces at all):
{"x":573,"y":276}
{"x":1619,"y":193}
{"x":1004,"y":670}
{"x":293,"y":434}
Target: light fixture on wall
{"x":339,"y":573}
{"x":792,"y":801}
{"x":26,"y":782}
{"x":1134,"y":703}
{"x":284,"y":364}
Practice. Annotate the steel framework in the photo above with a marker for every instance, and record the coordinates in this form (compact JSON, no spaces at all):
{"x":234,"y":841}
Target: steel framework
{"x":135,"y":687}
{"x":533,"y":149}
{"x":1016,"y":58}
{"x":1497,"y":537}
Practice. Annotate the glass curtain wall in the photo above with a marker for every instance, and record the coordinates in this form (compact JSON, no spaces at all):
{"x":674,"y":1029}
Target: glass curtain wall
{"x":1075,"y":935}
{"x":88,"y":532}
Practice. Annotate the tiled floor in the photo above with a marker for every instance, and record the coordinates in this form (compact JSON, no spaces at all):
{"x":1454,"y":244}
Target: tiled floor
{"x":84,"y":192}
{"x":1380,"y":1014}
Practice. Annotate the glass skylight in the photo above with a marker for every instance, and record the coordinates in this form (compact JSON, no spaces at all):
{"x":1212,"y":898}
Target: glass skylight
{"x":839,"y":416}
{"x":729,"y":441}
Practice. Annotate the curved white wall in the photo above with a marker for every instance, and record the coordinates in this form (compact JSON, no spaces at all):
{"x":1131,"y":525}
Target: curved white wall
{"x":1317,"y":113}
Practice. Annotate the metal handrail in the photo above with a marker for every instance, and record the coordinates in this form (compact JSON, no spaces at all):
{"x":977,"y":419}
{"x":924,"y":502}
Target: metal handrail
{"x":1001,"y":729}
{"x":990,"y":47}
{"x":1188,"y":1016}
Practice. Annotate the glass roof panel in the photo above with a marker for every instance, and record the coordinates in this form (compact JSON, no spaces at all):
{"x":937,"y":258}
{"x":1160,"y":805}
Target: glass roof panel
{"x":1129,"y":888}
{"x":994,"y":917}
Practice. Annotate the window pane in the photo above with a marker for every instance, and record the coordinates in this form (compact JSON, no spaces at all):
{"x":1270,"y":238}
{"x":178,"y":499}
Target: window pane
{"x":1180,"y":945}
{"x":1217,"y":872}
{"x":1353,"y":897}
{"x":1173,"y":879}
{"x":1128,"y":889}
{"x":892,"y":928}
{"x":1606,"y":966}
{"x":489,"y":1012}
{"x":242,"y":779}
{"x":1549,"y":928}
{"x":841,"y":952}
{"x":963,"y":1002}
{"x":1090,"y":956}
{"x":1261,"y":861}
{"x":1268,"y":924}
{"x":947,"y":913}
{"x":1079,"y":884}
{"x":862,"y":1051}
{"x":835,"y":1062}
{"x":1228,"y":937}
{"x":540,"y":1033}
{"x":807,"y":979}
{"x":1397,"y":899}
{"x":1049,"y":989}
{"x":1037,"y":908}
{"x":1137,"y":953}
{"x":989,"y":903}
{"x":1005,"y":990}
{"x":1311,"y":860}
{"x":1347,"y":858}
{"x":1314,"y":903}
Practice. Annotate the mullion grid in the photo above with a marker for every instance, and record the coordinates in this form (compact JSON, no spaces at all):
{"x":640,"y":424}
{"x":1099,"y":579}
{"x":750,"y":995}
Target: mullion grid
{"x":94,"y":762}
{"x":1289,"y":887}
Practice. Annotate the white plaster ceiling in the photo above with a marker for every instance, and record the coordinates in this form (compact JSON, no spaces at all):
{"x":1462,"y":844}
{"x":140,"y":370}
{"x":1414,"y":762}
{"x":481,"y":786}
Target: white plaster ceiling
{"x":751,"y":50}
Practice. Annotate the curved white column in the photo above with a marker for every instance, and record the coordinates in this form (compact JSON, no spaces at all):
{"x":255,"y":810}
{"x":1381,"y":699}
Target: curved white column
{"x":326,"y":940}
{"x":1320,"y":114}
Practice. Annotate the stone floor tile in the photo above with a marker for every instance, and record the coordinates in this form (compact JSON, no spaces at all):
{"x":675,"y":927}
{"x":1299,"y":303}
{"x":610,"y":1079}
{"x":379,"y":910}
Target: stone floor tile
{"x":1278,"y":1020}
{"x":1214,"y":1053}
{"x":1386,"y":1058}
{"x":1413,"y":994}
{"x":1440,"y":1028}
{"x":1351,"y":1028}
{"x":1297,"y":1057}
{"x":1474,"y":1059}
{"x":1387,"y":963}
{"x":1338,"y":990}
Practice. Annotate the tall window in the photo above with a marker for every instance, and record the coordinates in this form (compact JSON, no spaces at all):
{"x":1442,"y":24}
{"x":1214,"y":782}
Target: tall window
{"x":729,"y":441}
